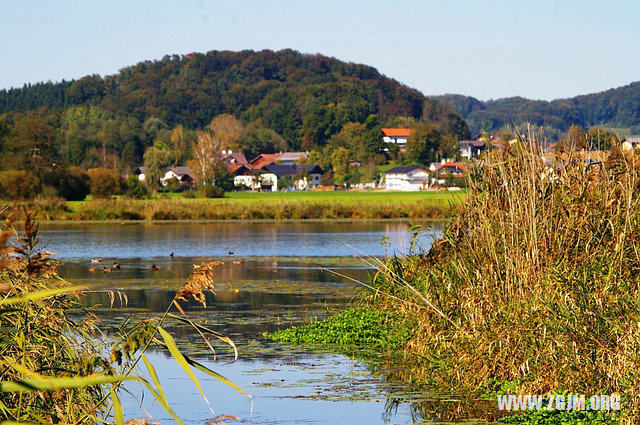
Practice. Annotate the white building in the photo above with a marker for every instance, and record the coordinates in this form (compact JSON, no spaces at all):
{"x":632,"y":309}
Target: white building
{"x":472,"y":148}
{"x":409,"y":178}
{"x":399,"y":136}
{"x":302,"y":177}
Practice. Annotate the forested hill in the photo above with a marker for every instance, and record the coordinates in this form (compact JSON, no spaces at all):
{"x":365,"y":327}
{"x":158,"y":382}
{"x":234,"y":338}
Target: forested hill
{"x":619,"y":107}
{"x":306,"y":99}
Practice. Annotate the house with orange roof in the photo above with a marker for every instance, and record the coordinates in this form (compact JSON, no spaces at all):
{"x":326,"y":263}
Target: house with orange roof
{"x":399,"y":136}
{"x":264,"y":159}
{"x":443,"y":168}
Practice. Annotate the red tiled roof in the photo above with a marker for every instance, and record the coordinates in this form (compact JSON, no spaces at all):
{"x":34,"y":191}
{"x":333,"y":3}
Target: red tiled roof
{"x":263,"y":159}
{"x":397,"y":132}
{"x":457,"y":165}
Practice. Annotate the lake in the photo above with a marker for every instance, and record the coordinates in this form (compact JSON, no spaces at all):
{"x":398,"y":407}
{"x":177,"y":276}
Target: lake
{"x":274,"y":275}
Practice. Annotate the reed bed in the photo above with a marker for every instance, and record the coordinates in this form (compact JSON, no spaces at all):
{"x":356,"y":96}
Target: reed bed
{"x":204,"y":209}
{"x":536,"y":281}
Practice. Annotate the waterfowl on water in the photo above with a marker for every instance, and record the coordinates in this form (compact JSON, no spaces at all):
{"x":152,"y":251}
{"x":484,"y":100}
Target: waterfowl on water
{"x":230,"y":253}
{"x":92,"y":269}
{"x":154,"y":267}
{"x":171,"y":255}
{"x":96,"y":260}
{"x":106,"y":269}
{"x":116,"y":265}
{"x":238,"y":262}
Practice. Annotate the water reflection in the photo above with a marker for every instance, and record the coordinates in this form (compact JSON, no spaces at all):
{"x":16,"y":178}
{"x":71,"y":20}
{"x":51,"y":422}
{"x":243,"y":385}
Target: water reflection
{"x":218,"y":239}
{"x":283,"y":280}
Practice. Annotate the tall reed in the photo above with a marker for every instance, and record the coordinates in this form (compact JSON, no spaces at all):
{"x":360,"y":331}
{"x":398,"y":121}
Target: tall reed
{"x":536,"y":281}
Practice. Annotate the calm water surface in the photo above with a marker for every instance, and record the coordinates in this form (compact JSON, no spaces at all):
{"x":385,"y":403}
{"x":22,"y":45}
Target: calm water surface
{"x":290,"y":274}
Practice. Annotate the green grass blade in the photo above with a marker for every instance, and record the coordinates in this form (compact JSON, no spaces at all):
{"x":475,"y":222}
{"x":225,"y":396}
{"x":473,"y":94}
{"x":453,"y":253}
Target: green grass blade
{"x":180,"y":359}
{"x":154,"y":376}
{"x":216,"y":375}
{"x":43,"y":384}
{"x":161,"y":401}
{"x":118,"y":414}
{"x":38,"y":295}
{"x":204,"y":329}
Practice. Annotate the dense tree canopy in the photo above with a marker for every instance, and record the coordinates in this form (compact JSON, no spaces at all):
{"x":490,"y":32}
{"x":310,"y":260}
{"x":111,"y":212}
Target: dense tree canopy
{"x":618,"y":107}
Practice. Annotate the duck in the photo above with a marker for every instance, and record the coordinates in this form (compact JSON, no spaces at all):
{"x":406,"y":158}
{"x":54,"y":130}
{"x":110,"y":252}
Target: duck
{"x":171,"y":255}
{"x":106,"y":269}
{"x":230,"y":253}
{"x":239,"y":261}
{"x":154,"y":267}
{"x":92,"y":269}
{"x":96,"y":260}
{"x":116,"y":265}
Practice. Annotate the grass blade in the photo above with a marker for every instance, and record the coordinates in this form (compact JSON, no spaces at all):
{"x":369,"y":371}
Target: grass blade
{"x":38,"y":295}
{"x":180,"y":359}
{"x":43,"y":384}
{"x":118,"y":414}
{"x":161,"y":401}
{"x":154,"y":376}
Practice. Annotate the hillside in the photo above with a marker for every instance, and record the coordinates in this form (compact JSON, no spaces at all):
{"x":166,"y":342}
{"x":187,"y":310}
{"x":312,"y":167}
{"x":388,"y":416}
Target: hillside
{"x":306,"y":99}
{"x":619,"y":107}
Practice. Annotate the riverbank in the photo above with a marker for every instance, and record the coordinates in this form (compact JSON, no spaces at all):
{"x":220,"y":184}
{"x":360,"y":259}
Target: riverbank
{"x":257,"y":207}
{"x":533,"y":288}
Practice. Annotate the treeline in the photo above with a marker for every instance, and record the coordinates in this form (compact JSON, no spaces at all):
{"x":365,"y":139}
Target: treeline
{"x":154,"y":114}
{"x":618,"y":107}
{"x":304,"y":98}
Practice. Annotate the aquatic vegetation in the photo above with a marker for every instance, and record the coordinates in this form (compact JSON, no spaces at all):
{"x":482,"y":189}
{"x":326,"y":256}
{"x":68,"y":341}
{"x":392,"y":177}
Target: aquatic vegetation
{"x":353,"y":326}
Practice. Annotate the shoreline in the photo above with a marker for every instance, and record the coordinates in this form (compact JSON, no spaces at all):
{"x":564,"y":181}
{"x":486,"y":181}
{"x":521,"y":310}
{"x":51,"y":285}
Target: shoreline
{"x":439,"y":220}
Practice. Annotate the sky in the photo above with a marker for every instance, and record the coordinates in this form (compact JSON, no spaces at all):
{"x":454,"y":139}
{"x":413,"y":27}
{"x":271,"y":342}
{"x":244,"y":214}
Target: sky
{"x":489,"y":49}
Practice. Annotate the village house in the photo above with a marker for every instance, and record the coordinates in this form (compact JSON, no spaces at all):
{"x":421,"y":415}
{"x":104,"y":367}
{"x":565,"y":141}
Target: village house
{"x":301,"y":177}
{"x":141,"y":172}
{"x":263,"y":159}
{"x":472,"y":148}
{"x":444,"y":168}
{"x":407,"y":178}
{"x":183,"y":174}
{"x":399,"y":136}
{"x":233,"y":157}
{"x":244,"y":177}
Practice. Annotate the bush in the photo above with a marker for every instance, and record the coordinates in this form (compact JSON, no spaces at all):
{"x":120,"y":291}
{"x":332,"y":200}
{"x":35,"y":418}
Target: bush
{"x":19,"y":184}
{"x":70,"y":183}
{"x":211,"y":191}
{"x":104,"y":182}
{"x":134,"y":188}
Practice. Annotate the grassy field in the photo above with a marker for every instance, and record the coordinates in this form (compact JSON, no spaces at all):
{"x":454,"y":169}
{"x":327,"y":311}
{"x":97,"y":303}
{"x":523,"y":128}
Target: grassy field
{"x":259,"y":206}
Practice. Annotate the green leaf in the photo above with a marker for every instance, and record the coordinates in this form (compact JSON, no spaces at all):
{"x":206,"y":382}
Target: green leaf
{"x":118,"y":414}
{"x":204,"y":329}
{"x":180,"y":359}
{"x":154,"y":376}
{"x":215,"y":375}
{"x":38,"y":295}
{"x":161,"y":401}
{"x":42,"y":384}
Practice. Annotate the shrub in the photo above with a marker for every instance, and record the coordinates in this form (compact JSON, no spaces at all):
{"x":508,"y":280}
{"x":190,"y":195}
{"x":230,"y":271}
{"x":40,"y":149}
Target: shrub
{"x":134,"y":188}
{"x":211,"y":191}
{"x":104,"y":182}
{"x":70,"y":183}
{"x":19,"y":184}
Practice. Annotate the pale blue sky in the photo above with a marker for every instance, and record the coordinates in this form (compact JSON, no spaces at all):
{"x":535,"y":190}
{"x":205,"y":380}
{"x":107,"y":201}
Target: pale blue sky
{"x":541,"y":49}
